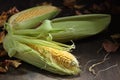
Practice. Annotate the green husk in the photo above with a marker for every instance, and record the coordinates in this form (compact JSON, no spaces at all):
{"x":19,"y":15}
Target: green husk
{"x":18,"y":47}
{"x":77,"y":27}
{"x":34,"y":21}
{"x":41,"y":32}
{"x":69,"y":28}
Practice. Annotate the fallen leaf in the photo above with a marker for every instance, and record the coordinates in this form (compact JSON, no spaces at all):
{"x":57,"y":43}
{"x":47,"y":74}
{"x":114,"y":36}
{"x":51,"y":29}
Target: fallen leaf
{"x":78,"y":12}
{"x":12,"y":11}
{"x":2,"y":35}
{"x":69,"y":3}
{"x":79,"y":6}
{"x":14,"y":63}
{"x":115,"y":36}
{"x":3,"y":18}
{"x":2,"y":53}
{"x":2,"y":70}
{"x":110,"y":46}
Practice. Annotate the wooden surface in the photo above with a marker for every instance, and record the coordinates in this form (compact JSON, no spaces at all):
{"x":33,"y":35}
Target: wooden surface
{"x":86,"y":52}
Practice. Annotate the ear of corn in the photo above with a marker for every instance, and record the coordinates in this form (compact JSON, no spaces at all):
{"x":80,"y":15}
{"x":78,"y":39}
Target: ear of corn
{"x":32,"y":17}
{"x":69,"y":28}
{"x":22,"y":39}
{"x":41,"y":54}
{"x":77,"y":27}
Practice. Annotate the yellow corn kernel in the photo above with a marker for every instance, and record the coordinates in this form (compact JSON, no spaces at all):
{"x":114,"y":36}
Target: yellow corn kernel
{"x":62,"y":58}
{"x":34,"y":13}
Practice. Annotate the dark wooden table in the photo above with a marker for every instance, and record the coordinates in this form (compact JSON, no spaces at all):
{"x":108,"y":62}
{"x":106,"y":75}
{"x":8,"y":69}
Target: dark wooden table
{"x":86,"y":52}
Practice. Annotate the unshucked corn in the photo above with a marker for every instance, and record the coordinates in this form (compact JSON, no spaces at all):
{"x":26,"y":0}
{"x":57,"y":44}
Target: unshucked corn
{"x":56,"y":59}
{"x":69,"y":28}
{"x":32,"y":17}
{"x":35,"y":45}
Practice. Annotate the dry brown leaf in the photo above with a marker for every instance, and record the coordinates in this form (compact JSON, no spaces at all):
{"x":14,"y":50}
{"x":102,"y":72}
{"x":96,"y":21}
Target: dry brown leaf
{"x":2,"y":70}
{"x":97,"y":7}
{"x":2,"y":53}
{"x":78,"y":12}
{"x":69,"y":3}
{"x":2,"y":35}
{"x":14,"y":63}
{"x":78,"y":6}
{"x":5,"y":65}
{"x":46,"y":3}
{"x":12,"y":11}
{"x":86,"y":11}
{"x":115,"y":36}
{"x":3,"y":18}
{"x":109,"y":46}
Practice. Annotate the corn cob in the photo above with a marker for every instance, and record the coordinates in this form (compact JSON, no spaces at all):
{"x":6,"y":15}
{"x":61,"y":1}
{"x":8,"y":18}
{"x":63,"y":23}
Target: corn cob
{"x":33,"y":13}
{"x":70,"y":28}
{"x":32,"y":17}
{"x":62,"y":58}
{"x":45,"y":57}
